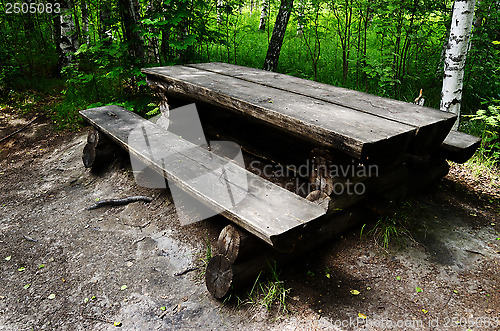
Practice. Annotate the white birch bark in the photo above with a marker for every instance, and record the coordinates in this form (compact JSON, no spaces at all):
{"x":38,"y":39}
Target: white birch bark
{"x":220,"y":5}
{"x":263,"y":14}
{"x":85,"y":22}
{"x":68,"y":42}
{"x":300,"y":18}
{"x":455,"y":56}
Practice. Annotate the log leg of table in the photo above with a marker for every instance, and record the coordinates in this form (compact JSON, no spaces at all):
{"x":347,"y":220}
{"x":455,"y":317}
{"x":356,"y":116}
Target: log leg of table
{"x":223,"y":276}
{"x":237,"y":244}
{"x":417,"y":181}
{"x":98,"y":151}
{"x":160,"y":89}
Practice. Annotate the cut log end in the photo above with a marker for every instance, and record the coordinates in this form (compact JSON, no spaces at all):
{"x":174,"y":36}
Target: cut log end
{"x":237,"y":244}
{"x":98,"y":151}
{"x":219,"y":276}
{"x":229,"y":242}
{"x":89,"y":151}
{"x":88,"y":156}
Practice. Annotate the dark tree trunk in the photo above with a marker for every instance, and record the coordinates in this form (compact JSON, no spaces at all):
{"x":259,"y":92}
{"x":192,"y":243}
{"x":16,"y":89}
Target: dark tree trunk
{"x":165,"y":47}
{"x":273,"y":51}
{"x":56,"y":20}
{"x":130,"y":15}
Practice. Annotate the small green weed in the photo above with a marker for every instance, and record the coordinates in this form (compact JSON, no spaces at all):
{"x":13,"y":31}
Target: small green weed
{"x":205,"y":258}
{"x":392,"y":227}
{"x":274,"y":290}
{"x":267,"y":291}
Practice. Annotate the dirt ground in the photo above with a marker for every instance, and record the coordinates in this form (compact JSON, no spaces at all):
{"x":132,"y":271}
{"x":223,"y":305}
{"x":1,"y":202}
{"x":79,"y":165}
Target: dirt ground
{"x":64,"y":268}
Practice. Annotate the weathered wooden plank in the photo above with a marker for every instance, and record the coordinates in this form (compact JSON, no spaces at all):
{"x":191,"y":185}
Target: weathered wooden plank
{"x":358,"y":134}
{"x":268,"y":211}
{"x":431,"y":124}
{"x":459,"y":147}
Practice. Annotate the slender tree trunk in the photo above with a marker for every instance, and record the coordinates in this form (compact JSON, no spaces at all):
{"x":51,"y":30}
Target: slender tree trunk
{"x":104,"y":28}
{"x":300,"y":17}
{"x":347,"y":41}
{"x":263,"y":14}
{"x":78,"y":31}
{"x":152,"y":50}
{"x":130,"y":15}
{"x":274,"y":49}
{"x":165,"y":46}
{"x":455,"y":56}
{"x":220,"y":8}
{"x":85,"y":22}
{"x":67,"y":43}
{"x":365,"y":38}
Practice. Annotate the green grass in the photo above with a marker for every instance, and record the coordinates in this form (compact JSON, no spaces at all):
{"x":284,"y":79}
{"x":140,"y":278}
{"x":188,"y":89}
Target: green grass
{"x":274,"y":291}
{"x":251,"y":44}
{"x":267,"y":291}
{"x":205,"y":258}
{"x":392,"y":228}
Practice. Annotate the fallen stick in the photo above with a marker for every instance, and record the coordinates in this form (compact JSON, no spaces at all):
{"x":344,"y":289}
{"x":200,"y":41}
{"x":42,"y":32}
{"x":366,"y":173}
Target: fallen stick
{"x":119,"y":202}
{"x":17,"y":131}
{"x":138,"y":226}
{"x":30,"y":239}
{"x":183,"y":272}
{"x":138,"y":241}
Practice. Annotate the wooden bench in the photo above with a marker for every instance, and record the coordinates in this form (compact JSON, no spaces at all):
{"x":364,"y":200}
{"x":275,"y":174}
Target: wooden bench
{"x":268,"y":211}
{"x":459,"y":147}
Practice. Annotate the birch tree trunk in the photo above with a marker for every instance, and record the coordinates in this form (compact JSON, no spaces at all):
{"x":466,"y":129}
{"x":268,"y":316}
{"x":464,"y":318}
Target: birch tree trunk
{"x":300,"y":18}
{"x":274,"y":49}
{"x":67,"y":43}
{"x":455,"y":56}
{"x":220,"y":7}
{"x":263,"y":14}
{"x":85,"y":22}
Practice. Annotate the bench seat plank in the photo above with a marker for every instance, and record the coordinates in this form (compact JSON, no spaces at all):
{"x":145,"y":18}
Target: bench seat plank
{"x":270,"y":212}
{"x":432,"y":125}
{"x":459,"y":147}
{"x":358,"y":134}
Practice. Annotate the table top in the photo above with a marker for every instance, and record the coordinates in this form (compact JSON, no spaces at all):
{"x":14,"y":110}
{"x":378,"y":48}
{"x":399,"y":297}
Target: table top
{"x":361,"y":125}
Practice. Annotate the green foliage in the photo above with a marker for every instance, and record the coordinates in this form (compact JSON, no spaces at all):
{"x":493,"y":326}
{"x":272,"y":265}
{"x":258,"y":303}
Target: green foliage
{"x":482,"y":72}
{"x":488,"y":123}
{"x":267,"y":291}
{"x":384,"y":47}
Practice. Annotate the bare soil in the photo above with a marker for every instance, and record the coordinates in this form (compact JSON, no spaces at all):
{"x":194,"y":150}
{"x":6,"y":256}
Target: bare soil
{"x":64,"y":268}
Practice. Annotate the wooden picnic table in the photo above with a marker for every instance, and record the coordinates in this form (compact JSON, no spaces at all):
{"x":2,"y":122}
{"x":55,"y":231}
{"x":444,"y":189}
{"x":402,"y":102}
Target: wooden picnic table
{"x":363,"y":126}
{"x":330,"y":125}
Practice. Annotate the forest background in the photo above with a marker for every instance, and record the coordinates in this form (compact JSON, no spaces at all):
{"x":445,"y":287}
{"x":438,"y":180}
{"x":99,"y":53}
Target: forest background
{"x":72,"y":55}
